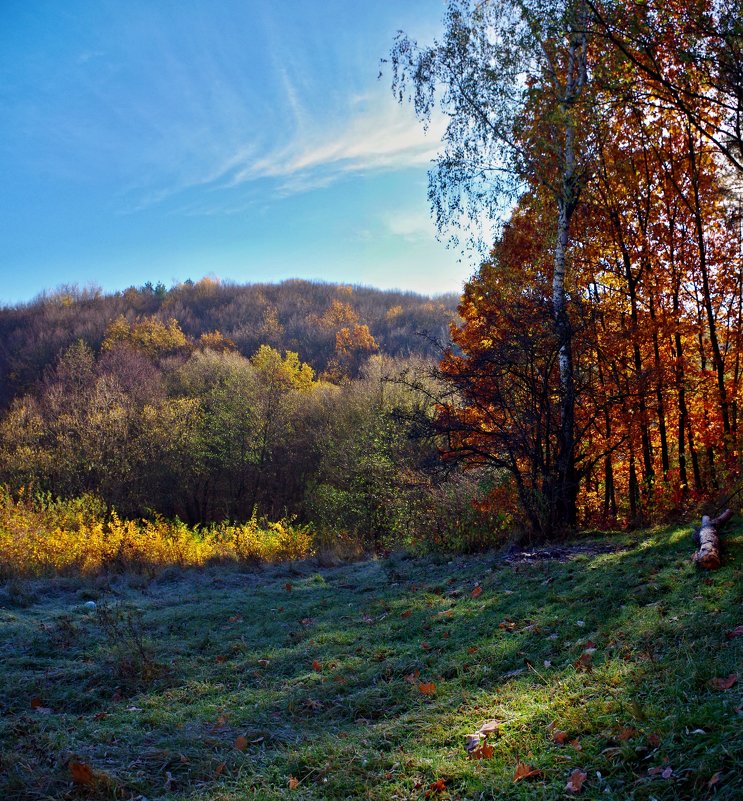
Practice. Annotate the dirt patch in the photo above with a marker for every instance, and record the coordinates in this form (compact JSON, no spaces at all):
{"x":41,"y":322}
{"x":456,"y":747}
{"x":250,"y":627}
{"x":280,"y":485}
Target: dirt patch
{"x":560,"y":553}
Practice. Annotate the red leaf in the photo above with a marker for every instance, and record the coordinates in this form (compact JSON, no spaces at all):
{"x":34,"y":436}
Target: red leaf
{"x":427,"y":688}
{"x":288,"y":587}
{"x":36,"y":702}
{"x":560,"y":737}
{"x":736,"y":632}
{"x":81,"y":773}
{"x":483,"y":751}
{"x":438,"y":786}
{"x":407,"y":613}
{"x":316,"y":665}
{"x":241,"y":743}
{"x":220,"y":769}
{"x":584,"y":662}
{"x":220,"y":659}
{"x":476,"y":593}
{"x":575,"y":782}
{"x":426,"y":646}
{"x":726,"y":683}
{"x":627,"y":733}
{"x":524,"y":771}
{"x":472,"y":650}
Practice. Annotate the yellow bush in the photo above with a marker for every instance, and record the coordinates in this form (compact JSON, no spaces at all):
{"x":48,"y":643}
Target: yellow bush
{"x":41,"y":536}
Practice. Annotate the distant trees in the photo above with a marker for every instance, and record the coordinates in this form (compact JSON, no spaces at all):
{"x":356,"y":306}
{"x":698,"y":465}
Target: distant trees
{"x":300,"y":316}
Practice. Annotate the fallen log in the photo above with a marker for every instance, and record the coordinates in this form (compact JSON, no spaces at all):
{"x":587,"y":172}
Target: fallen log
{"x":708,"y":555}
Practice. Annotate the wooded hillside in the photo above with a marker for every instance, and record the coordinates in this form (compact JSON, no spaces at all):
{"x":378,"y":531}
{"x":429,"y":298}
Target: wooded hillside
{"x":302,"y":316}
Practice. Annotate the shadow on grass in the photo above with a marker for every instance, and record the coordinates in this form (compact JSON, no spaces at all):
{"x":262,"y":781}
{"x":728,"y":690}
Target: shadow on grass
{"x":321,"y":672}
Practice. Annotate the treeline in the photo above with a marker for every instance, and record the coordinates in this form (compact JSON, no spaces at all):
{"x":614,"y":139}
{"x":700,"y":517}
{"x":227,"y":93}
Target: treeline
{"x":159,"y":422}
{"x":331,"y":327}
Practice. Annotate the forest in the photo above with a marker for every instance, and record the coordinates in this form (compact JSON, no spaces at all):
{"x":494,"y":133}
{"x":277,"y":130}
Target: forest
{"x":591,"y":375}
{"x":327,"y":542}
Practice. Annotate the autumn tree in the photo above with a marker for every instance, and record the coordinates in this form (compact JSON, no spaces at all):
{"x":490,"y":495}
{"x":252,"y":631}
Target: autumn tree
{"x":513,"y":78}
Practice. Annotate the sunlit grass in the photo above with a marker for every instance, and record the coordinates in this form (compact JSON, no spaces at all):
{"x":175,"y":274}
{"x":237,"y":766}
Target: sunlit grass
{"x":39,"y":538}
{"x":320,"y":672}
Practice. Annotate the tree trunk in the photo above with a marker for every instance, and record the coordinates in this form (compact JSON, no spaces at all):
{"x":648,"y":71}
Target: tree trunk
{"x":708,"y":555}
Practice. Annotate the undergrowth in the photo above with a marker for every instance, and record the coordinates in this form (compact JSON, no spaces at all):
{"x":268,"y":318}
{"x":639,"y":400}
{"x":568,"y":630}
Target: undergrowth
{"x":42,"y":536}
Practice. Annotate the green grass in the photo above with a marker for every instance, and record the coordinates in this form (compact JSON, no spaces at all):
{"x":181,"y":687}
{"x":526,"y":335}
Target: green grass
{"x":322,"y":679}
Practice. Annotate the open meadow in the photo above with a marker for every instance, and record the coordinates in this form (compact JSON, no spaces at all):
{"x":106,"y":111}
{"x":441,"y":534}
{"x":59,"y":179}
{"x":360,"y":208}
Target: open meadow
{"x":611,"y":666}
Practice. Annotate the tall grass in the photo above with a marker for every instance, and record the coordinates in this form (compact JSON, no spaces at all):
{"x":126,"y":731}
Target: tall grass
{"x":41,"y":536}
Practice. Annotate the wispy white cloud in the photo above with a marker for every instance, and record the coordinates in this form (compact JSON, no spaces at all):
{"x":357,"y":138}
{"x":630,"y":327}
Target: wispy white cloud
{"x":410,"y":224}
{"x":377,"y":138}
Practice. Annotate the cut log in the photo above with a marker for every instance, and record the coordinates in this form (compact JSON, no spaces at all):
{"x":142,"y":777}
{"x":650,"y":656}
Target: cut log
{"x":708,"y":555}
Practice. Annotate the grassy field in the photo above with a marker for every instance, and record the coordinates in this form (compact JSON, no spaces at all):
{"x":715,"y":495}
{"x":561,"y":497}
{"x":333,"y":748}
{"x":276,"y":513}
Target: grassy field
{"x":611,"y":671}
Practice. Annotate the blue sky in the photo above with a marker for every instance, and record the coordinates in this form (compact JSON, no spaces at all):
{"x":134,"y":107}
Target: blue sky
{"x":150,"y":140}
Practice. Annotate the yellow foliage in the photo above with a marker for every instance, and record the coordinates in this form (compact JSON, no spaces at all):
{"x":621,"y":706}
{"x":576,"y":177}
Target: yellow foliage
{"x":287,"y":372}
{"x":149,"y":335}
{"x":74,"y":537}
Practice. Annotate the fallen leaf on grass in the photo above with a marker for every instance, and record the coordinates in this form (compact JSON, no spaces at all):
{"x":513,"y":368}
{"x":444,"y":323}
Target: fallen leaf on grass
{"x":714,"y":779}
{"x":241,"y":743}
{"x":560,"y":737}
{"x":472,"y":650}
{"x":483,"y":751}
{"x":736,"y":632}
{"x":627,"y":733}
{"x":524,"y":771}
{"x":490,"y":727}
{"x":220,"y":769}
{"x":81,"y":773}
{"x":406,"y":613}
{"x":220,"y":659}
{"x":472,"y":741}
{"x":653,"y":740}
{"x":726,"y":683}
{"x":235,"y":619}
{"x":665,"y":772}
{"x":288,"y":586}
{"x":576,"y":744}
{"x":293,"y":783}
{"x":426,"y":646}
{"x":438,"y":786}
{"x":575,"y":782}
{"x":584,"y":662}
{"x":36,"y":702}
{"x":476,"y":593}
{"x":316,"y":665}
{"x":412,"y":678}
{"x":427,"y":688}
{"x":220,"y":723}
{"x":513,"y":673}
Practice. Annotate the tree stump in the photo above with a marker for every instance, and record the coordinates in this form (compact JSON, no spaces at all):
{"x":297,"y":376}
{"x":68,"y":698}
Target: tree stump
{"x":708,"y":555}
